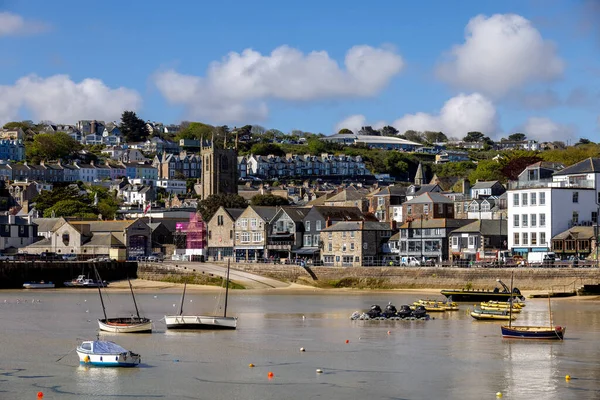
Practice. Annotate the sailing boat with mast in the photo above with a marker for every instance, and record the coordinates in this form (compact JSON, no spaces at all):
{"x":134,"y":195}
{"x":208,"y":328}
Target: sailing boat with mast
{"x":133,"y":324}
{"x":550,"y":332}
{"x":202,"y":321}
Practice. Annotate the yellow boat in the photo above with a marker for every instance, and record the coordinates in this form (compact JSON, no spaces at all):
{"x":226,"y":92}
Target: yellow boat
{"x":448,"y":305}
{"x":502,"y":304}
{"x":515,"y":310}
{"x":492,"y":315}
{"x":430,"y":308}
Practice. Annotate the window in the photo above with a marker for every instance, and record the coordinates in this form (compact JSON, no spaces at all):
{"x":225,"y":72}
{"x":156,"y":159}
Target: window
{"x":318,"y":226}
{"x":409,"y":210}
{"x":533,"y":220}
{"x":542,"y":237}
{"x":352,"y":246}
{"x":516,"y":220}
{"x":557,"y":245}
{"x":516,"y":199}
{"x":533,"y":199}
{"x":330,"y":246}
{"x":533,"y":238}
{"x":230,"y":234}
{"x":575,"y":217}
{"x":344,"y":234}
{"x":441,"y":208}
{"x":352,"y":234}
{"x":437,"y":232}
{"x":524,"y":199}
{"x":245,"y":237}
{"x":425,"y":208}
{"x":575,"y":197}
{"x":542,"y":219}
{"x":542,"y":198}
{"x":524,"y":221}
{"x":485,"y":206}
{"x":594,"y":217}
{"x":471,"y":241}
{"x":237,"y":236}
{"x":329,"y":235}
{"x":403,"y":233}
{"x":307,"y":240}
{"x":516,"y":238}
{"x":253,"y":223}
{"x":210,"y":234}
{"x":244,"y":223}
{"x":454,"y":241}
{"x":524,"y":238}
{"x":344,"y":247}
{"x":307,"y":226}
{"x":316,"y":239}
{"x":427,"y":232}
{"x":257,"y":237}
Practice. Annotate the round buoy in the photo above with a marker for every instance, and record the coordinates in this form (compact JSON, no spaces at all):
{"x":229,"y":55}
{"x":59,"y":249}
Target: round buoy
{"x":251,"y":365}
{"x":347,"y":341}
{"x":319,"y":371}
{"x":389,"y":332}
{"x":270,"y":374}
{"x":40,"y":395}
{"x":499,"y":394}
{"x":302,"y":349}
{"x":568,"y":377}
{"x":86,"y":359}
{"x":360,"y":337}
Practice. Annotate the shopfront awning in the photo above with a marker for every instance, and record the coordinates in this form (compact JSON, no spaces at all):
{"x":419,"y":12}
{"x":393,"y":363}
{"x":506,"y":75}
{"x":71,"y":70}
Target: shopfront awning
{"x":306,"y":251}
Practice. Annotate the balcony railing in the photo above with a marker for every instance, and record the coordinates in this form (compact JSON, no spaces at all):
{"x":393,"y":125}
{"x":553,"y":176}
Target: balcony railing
{"x":549,"y":183}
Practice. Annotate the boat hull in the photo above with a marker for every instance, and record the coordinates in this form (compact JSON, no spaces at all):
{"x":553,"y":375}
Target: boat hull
{"x":125,"y":325}
{"x":478,"y":296}
{"x":485,"y":316}
{"x":122,"y":360}
{"x":38,"y":285}
{"x":533,"y":332}
{"x":200,"y":322}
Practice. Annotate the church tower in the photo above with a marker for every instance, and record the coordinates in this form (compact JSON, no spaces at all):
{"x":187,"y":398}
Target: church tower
{"x":219,"y":171}
{"x":420,"y":176}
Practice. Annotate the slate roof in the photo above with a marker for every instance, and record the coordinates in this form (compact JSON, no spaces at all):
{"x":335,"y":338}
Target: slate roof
{"x":349,"y":194}
{"x":430,"y":197}
{"x":234,"y":213}
{"x":358,"y":226}
{"x":48,"y":224}
{"x":340,"y":213}
{"x":393,"y":190}
{"x":589,"y":165}
{"x":486,"y":227}
{"x":436,"y":223}
{"x":266,"y":213}
{"x":484,"y":184}
{"x":18,"y":220}
{"x":296,"y":214}
{"x":577,"y":232}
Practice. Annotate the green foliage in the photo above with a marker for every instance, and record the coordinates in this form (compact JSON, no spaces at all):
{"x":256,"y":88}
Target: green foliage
{"x":210,"y":205}
{"x":269,"y":200}
{"x":474,"y":137}
{"x":317,"y":146}
{"x":48,"y":198}
{"x":396,"y":164}
{"x":197,"y":131}
{"x":67,"y":201}
{"x":434,"y":137}
{"x":71,"y":208}
{"x":571,"y":155}
{"x":368,"y":130}
{"x":16,"y":125}
{"x":345,"y":131}
{"x":414,"y":136}
{"x":264,"y":149}
{"x":517,"y":137}
{"x":133,"y":128}
{"x":487,"y":170}
{"x":459,"y":169}
{"x":189,"y":185}
{"x":52,"y":146}
{"x":388,"y":130}
{"x":515,"y":162}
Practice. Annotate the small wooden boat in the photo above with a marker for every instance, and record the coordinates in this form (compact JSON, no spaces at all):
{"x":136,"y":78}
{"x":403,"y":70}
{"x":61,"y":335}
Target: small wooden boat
{"x":549,"y":332}
{"x":202,"y":321}
{"x":480,"y":314}
{"x":133,"y":324}
{"x":99,"y":353}
{"x":38,"y":285}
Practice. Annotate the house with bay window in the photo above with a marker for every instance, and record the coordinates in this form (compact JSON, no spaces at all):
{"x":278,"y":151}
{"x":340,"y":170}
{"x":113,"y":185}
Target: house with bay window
{"x":251,"y":229}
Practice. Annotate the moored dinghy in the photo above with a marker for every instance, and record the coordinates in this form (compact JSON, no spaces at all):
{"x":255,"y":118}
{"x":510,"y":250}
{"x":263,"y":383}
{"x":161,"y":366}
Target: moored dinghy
{"x":99,"y":353}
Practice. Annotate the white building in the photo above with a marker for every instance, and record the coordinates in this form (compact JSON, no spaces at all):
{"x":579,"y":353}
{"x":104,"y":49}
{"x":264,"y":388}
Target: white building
{"x":540,"y":209}
{"x":173,"y":186}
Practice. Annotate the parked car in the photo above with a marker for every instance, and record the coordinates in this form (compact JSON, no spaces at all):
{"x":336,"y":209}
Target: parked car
{"x":152,"y":259}
{"x":4,"y":257}
{"x":50,"y":256}
{"x":69,"y":257}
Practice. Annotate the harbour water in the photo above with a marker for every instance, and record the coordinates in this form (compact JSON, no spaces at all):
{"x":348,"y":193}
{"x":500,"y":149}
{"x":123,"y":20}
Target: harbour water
{"x":451,"y":357}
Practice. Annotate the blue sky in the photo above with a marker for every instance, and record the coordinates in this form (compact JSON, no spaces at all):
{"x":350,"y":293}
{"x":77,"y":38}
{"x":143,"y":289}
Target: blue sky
{"x":498,"y":67}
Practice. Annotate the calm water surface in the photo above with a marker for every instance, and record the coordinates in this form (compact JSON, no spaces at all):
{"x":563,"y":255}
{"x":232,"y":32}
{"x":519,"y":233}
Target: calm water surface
{"x":451,"y":357}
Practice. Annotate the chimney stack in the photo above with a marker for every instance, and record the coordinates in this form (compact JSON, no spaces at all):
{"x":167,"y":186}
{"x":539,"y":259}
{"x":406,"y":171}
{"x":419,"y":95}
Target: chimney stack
{"x":328,"y":222}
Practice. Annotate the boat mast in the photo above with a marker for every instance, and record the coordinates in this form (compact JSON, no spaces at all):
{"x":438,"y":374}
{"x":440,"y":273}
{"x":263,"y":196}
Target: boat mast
{"x":182,"y":297}
{"x":132,"y":295}
{"x":550,"y":311}
{"x":226,"y":289}
{"x":510,"y":305}
{"x":100,"y":292}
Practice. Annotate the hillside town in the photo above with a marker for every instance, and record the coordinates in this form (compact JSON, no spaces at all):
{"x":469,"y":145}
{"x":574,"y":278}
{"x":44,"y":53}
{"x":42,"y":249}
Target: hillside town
{"x":145,"y":190}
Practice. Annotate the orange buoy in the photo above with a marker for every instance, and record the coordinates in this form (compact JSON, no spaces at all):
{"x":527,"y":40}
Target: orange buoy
{"x":270,"y":374}
{"x":40,"y":395}
{"x":347,"y":341}
{"x":251,"y":365}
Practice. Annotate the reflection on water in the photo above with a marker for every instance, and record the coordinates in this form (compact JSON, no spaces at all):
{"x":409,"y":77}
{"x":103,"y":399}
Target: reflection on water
{"x":451,"y":357}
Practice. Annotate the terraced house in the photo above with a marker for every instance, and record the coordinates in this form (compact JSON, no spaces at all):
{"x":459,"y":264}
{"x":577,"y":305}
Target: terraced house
{"x":354,"y":243}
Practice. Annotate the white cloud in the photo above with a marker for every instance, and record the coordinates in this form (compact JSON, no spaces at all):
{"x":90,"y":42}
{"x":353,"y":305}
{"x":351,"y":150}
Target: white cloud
{"x":13,"y":24}
{"x":546,"y":130}
{"x":58,"y":98}
{"x":459,"y":115}
{"x":237,"y":88}
{"x":500,"y":53}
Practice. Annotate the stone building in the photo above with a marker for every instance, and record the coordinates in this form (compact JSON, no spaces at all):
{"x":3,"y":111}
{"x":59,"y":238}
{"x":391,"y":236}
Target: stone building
{"x":221,"y":232}
{"x":219,"y":171}
{"x":251,"y":230}
{"x":354,"y":243}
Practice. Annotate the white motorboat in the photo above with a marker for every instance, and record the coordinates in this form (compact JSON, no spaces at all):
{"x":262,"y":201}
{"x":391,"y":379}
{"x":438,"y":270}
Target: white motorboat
{"x":83,"y":282}
{"x":99,"y":353}
{"x":38,"y":285}
{"x":202,"y":321}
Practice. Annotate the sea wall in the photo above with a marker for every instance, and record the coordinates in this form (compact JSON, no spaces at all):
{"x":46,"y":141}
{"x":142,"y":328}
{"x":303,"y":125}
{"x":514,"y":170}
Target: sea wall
{"x":14,"y":273}
{"x":556,"y":279}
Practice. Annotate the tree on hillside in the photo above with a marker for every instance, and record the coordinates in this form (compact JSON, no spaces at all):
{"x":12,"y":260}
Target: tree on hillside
{"x":434,"y":137}
{"x":52,"y":146}
{"x":269,"y":200}
{"x":583,"y":141}
{"x":517,"y":137}
{"x":196,"y":131}
{"x":71,"y":208}
{"x":48,"y":198}
{"x":345,"y":131}
{"x":413,"y":136}
{"x":133,"y":128}
{"x":211,"y":204}
{"x":388,"y":130}
{"x":487,"y":170}
{"x":474,"y":137}
{"x":515,"y":165}
{"x":396,"y":164}
{"x":368,"y":130}
{"x":257,"y":130}
{"x":265,"y":149}
{"x":16,"y":125}
{"x":271,"y":135}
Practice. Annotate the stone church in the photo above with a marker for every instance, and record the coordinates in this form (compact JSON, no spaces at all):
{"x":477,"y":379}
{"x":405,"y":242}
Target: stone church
{"x":219,"y":171}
